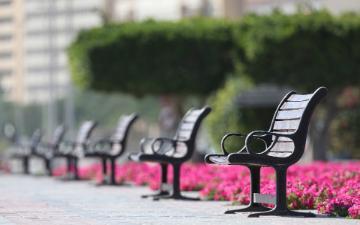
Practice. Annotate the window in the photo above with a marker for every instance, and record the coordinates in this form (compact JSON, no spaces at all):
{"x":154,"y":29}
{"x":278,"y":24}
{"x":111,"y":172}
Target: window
{"x":4,"y":55}
{"x":5,"y":2}
{"x":5,"y":37}
{"x":6,"y":19}
{"x":4,"y":72}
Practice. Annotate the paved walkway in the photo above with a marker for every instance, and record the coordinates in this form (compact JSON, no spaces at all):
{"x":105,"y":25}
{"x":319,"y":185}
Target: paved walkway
{"x":40,"y":200}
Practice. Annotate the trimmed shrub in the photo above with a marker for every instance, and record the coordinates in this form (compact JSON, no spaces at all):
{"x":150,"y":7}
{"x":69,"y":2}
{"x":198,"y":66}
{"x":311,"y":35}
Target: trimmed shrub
{"x":301,"y":50}
{"x":189,"y":57}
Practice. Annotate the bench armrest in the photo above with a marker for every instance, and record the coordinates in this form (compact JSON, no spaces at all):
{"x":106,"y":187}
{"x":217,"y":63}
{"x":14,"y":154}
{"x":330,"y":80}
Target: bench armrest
{"x":67,"y":146}
{"x":159,"y":146}
{"x":162,"y":145}
{"x":144,"y":143}
{"x":225,"y":151}
{"x":102,"y":145}
{"x":263,"y":135}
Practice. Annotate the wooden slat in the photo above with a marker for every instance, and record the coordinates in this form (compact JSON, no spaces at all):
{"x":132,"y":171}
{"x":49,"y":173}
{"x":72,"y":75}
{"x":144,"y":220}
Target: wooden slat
{"x":195,"y":112}
{"x":297,"y":97}
{"x":279,"y":154}
{"x":191,"y":118}
{"x":289,"y":114}
{"x":123,"y":124}
{"x":294,"y":105}
{"x":84,"y":131}
{"x":282,"y":139}
{"x":186,"y":126}
{"x":283,"y":147}
{"x":286,"y":124}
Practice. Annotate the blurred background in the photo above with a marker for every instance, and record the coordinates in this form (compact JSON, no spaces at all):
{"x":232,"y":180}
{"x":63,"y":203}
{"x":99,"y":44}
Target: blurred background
{"x":39,"y":38}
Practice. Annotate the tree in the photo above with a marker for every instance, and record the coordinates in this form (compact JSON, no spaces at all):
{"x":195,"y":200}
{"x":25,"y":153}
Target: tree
{"x":172,"y":59}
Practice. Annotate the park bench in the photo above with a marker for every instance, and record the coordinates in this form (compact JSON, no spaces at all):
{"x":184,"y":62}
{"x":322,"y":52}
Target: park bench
{"x":285,"y":144}
{"x":46,"y":150}
{"x":73,"y":150}
{"x":24,"y":150}
{"x":109,"y":150}
{"x":174,"y":151}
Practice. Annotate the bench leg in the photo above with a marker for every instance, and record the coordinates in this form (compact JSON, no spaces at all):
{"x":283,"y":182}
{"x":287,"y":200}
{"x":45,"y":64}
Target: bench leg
{"x":48,"y":167}
{"x":104,"y":166}
{"x":103,"y":171}
{"x":255,"y":188}
{"x":164,"y":173}
{"x":76,"y":169}
{"x":25,"y":165}
{"x":68,"y":167}
{"x":112,"y":171}
{"x":176,"y":194}
{"x":281,"y":208}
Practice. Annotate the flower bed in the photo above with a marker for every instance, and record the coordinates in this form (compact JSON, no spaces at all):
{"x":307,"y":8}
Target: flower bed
{"x":331,"y":188}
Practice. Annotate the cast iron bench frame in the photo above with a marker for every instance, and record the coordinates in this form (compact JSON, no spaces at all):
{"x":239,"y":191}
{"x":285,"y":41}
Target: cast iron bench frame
{"x":46,"y":150}
{"x":26,"y":150}
{"x":289,"y":127}
{"x":112,"y":148}
{"x":72,"y":151}
{"x":163,"y":151}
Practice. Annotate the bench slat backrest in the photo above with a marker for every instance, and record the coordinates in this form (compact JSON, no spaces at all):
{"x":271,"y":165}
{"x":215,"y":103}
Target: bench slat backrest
{"x":85,"y":131}
{"x":35,"y":139}
{"x":58,"y":135}
{"x":293,"y":117}
{"x":119,"y":138}
{"x":189,"y":126}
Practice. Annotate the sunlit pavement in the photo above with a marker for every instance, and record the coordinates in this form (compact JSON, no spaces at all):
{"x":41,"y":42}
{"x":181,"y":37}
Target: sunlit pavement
{"x":41,"y":200}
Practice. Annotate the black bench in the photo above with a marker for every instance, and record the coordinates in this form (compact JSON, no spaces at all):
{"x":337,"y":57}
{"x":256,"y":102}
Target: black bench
{"x":24,"y":150}
{"x":173,"y":151}
{"x":73,"y":150}
{"x":112,"y":148}
{"x":285,"y":144}
{"x":46,"y":150}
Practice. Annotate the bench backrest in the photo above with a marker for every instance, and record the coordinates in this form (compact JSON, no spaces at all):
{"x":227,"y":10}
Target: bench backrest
{"x":85,"y":131}
{"x":119,"y":138}
{"x":188,"y":128}
{"x":58,"y":136}
{"x":10,"y":132}
{"x":35,"y":139}
{"x":292,"y":117}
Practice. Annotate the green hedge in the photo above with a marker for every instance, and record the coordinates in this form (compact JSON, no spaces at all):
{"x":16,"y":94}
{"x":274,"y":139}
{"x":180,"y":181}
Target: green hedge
{"x":183,"y":58}
{"x":301,"y":50}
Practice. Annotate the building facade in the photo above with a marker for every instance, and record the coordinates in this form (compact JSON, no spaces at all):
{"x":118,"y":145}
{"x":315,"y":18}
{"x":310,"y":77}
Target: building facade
{"x":34,"y":35}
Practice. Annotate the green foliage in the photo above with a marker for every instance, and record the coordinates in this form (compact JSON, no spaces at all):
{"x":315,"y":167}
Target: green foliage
{"x":112,"y":106}
{"x":189,"y":57}
{"x":345,"y":133}
{"x":228,"y":117}
{"x":301,"y":50}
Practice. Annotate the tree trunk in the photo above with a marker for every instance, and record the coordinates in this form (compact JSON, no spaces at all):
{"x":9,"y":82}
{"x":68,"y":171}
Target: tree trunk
{"x":320,"y":132}
{"x":170,"y":114}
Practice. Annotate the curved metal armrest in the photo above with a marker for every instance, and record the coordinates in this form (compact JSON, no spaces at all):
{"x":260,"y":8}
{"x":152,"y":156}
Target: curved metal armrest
{"x":144,"y":142}
{"x":158,"y":144}
{"x":260,"y":134}
{"x":102,"y":145}
{"x":67,"y":146}
{"x":225,"y":151}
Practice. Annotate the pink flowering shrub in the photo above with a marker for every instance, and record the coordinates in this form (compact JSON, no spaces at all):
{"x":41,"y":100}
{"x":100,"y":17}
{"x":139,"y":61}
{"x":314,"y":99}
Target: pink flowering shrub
{"x":331,"y":188}
{"x":85,"y":172}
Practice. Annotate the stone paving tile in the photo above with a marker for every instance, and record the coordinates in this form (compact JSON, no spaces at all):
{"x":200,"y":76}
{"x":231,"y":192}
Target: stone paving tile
{"x":43,"y":201}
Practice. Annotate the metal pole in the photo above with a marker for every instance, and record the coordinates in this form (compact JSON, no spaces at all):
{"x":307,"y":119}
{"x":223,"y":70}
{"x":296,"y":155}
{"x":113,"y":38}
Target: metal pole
{"x":69,"y":100}
{"x":52,"y":117}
